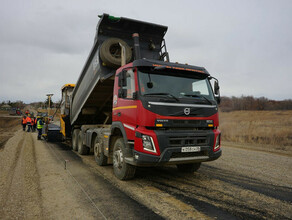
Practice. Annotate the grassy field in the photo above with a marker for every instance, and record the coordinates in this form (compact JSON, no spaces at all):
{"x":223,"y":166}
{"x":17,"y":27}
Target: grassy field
{"x":257,"y":127}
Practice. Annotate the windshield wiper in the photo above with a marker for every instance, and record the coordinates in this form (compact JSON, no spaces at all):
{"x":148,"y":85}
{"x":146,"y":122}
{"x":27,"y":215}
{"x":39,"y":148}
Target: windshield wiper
{"x":199,"y":96}
{"x":161,"y":93}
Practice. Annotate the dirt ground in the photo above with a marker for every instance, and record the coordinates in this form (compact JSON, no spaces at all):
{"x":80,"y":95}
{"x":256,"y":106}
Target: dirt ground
{"x":26,"y":186}
{"x":245,"y":183}
{"x":35,"y":185}
{"x":8,"y":125}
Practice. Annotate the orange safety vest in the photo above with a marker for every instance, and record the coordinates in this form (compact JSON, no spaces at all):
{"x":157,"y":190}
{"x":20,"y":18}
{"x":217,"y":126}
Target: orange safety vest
{"x":23,"y":120}
{"x":35,"y":120}
{"x":32,"y":122}
{"x":28,"y":119}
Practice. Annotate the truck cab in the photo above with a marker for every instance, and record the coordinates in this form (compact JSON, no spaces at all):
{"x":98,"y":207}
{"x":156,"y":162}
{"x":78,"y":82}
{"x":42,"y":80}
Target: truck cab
{"x":167,"y":114}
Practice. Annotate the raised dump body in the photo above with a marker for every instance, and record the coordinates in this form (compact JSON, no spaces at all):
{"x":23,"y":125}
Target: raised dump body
{"x":92,"y":97}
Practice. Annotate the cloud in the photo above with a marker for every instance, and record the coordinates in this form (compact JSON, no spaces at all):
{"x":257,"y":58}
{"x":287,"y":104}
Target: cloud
{"x":245,"y":44}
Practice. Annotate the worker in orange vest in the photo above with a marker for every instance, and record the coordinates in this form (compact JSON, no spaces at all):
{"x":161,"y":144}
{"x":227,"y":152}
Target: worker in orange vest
{"x":32,"y":124}
{"x":28,"y":122}
{"x":23,"y":122}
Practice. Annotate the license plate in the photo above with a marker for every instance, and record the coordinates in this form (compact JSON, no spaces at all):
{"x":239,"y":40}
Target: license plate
{"x":190,"y":149}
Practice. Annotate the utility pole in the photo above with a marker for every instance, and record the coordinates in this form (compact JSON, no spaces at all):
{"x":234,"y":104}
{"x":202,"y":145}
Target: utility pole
{"x":49,"y":97}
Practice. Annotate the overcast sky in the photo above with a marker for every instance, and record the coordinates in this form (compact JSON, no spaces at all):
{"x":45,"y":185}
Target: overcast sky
{"x":246,"y":44}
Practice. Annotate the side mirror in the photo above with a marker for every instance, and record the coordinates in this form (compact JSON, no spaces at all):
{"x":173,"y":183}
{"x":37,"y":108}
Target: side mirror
{"x":218,"y":99}
{"x":217,"y":92}
{"x":216,"y":88}
{"x":122,"y":78}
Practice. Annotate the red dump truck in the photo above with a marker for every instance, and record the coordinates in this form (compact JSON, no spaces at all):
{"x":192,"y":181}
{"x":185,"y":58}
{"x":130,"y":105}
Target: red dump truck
{"x":132,"y":107}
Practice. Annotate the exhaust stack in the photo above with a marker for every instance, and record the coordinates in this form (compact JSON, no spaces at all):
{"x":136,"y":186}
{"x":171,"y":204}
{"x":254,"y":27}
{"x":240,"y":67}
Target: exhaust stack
{"x":137,"y":53}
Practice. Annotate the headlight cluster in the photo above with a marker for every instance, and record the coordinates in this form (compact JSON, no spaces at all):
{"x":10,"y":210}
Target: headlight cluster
{"x":148,"y":143}
{"x":217,"y":143}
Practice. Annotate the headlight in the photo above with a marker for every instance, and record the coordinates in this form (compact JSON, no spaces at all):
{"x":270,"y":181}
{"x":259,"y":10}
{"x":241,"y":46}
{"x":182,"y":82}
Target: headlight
{"x":217,"y":143}
{"x":148,"y":143}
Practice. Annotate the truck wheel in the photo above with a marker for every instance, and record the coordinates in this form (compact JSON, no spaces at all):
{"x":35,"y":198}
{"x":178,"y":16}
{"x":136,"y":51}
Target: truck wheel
{"x":110,"y":52}
{"x":99,"y":156}
{"x":188,"y":168}
{"x":75,"y":139}
{"x":82,"y":149}
{"x":122,"y":170}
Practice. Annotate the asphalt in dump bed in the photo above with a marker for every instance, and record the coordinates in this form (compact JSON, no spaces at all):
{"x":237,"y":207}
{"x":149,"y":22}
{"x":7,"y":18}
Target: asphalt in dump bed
{"x":112,"y":202}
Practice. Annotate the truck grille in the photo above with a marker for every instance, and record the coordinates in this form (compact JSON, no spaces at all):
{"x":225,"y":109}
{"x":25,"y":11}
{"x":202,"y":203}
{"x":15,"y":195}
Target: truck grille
{"x":187,"y":141}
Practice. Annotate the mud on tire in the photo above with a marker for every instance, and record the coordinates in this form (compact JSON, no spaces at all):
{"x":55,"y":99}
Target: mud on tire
{"x":99,"y":156}
{"x":122,"y":170}
{"x":82,"y":149}
{"x":75,"y":139}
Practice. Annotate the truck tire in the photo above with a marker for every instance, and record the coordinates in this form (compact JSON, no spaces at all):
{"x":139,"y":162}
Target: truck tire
{"x":82,"y":149}
{"x":110,"y":52}
{"x":122,"y":170}
{"x":75,"y":139}
{"x":188,"y":168}
{"x":99,"y":156}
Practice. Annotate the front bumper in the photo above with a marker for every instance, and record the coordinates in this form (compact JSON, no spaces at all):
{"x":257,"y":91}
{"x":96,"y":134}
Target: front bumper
{"x":173,"y":156}
{"x":170,"y":143}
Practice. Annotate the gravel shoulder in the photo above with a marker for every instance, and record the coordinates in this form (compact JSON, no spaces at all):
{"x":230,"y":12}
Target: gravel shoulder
{"x":19,"y":180}
{"x":242,"y":184}
{"x":267,"y":166}
{"x":33,"y":185}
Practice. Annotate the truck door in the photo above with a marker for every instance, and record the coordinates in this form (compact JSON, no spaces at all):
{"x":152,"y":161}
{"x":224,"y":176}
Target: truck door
{"x":126,"y":106}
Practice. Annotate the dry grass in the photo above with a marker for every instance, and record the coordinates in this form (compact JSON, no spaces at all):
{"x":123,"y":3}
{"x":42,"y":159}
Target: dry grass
{"x":259,"y":127}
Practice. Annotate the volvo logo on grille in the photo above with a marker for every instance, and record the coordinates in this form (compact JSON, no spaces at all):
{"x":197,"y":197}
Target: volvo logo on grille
{"x":187,"y":111}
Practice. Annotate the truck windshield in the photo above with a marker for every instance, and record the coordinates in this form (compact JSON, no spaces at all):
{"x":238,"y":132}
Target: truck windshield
{"x":174,"y":86}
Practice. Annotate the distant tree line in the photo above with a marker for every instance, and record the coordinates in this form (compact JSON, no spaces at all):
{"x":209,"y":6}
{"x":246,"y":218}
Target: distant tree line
{"x":227,"y":104}
{"x":252,"y":103}
{"x":16,"y":104}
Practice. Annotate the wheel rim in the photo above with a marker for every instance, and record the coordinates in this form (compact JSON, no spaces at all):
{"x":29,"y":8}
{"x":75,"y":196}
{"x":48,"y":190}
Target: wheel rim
{"x":118,"y":158}
{"x":115,"y":50}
